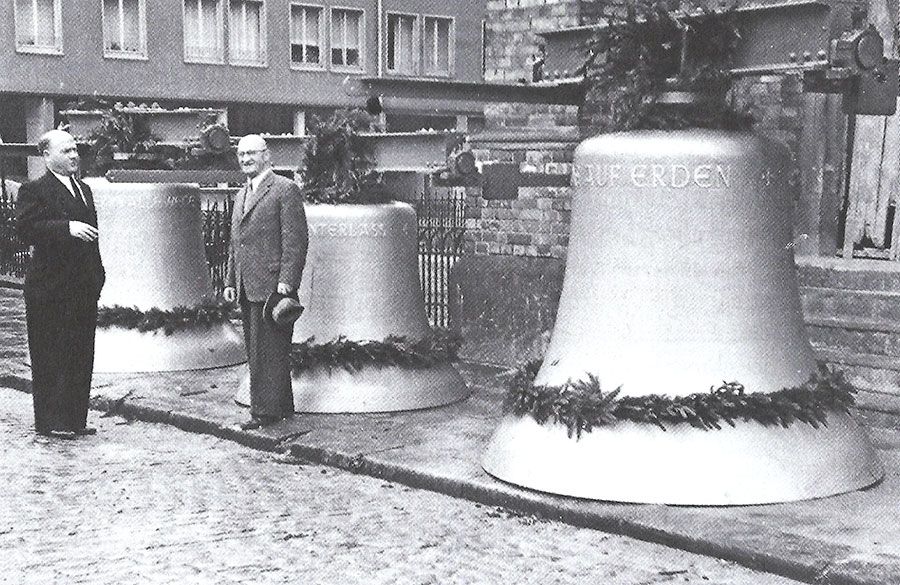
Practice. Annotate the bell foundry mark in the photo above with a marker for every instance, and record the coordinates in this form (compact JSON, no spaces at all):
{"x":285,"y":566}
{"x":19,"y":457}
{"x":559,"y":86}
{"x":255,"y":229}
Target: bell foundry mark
{"x":673,"y":176}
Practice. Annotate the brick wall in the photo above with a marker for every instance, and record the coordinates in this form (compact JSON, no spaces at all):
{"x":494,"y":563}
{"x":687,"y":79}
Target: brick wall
{"x":536,"y":223}
{"x":511,"y":44}
{"x":774,"y":102}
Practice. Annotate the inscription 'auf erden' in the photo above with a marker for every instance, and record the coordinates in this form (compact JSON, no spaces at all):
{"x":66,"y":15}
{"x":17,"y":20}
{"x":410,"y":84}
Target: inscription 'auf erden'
{"x":677,"y":176}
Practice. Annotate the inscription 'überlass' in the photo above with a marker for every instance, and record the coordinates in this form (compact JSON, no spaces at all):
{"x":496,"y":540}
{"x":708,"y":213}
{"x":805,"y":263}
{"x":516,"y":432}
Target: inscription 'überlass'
{"x":349,"y":230}
{"x":677,"y":176}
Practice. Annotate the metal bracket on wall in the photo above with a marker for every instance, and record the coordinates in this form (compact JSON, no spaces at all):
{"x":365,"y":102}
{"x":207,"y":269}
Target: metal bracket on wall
{"x":17,"y":149}
{"x":501,"y":180}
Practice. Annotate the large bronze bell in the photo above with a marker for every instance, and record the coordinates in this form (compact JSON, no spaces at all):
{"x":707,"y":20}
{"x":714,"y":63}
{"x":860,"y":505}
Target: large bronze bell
{"x":680,"y":276}
{"x":361,"y":282}
{"x":151,"y":242}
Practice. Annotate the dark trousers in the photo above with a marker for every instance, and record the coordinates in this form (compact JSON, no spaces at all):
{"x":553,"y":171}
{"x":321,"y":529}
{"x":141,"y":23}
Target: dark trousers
{"x":61,"y":343}
{"x":268,"y":356}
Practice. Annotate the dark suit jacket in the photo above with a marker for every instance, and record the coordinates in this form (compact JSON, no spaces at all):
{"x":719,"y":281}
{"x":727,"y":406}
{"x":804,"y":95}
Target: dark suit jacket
{"x":60,"y":263}
{"x":268,"y":242}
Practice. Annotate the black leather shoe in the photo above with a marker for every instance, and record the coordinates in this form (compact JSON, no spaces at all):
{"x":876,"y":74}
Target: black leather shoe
{"x":55,"y":434}
{"x":86,"y":431}
{"x":257,"y":422}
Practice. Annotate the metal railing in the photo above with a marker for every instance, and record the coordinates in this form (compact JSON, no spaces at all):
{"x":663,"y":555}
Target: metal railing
{"x":216,"y":214}
{"x":441,"y":225}
{"x":14,"y":253}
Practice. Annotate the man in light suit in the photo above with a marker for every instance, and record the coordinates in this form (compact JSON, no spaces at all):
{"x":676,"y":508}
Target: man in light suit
{"x":56,"y":215}
{"x":266,"y":255}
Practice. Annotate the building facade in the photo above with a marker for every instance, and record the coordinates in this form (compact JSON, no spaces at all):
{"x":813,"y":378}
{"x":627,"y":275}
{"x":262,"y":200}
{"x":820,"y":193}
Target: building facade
{"x":269,"y":62}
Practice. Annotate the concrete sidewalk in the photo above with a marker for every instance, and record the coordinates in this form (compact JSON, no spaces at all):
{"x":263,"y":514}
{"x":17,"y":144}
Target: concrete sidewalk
{"x":852,"y":538}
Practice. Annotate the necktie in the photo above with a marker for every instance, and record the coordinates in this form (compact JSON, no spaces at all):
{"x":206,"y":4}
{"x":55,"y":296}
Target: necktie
{"x":77,"y":190}
{"x":248,"y":190}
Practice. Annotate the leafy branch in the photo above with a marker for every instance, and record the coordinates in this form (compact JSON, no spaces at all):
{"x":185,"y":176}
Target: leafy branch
{"x":583,"y":405}
{"x":652,"y":49}
{"x":339,"y":167}
{"x":438,"y":347}
{"x":178,"y":319}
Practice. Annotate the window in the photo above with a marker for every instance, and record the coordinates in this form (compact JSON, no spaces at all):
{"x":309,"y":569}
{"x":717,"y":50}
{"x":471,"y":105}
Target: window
{"x":203,"y":31}
{"x":438,"y":45}
{"x":124,"y":28}
{"x":346,"y":35}
{"x":38,"y":26}
{"x":247,"y":32}
{"x":306,"y":35}
{"x":402,"y":44}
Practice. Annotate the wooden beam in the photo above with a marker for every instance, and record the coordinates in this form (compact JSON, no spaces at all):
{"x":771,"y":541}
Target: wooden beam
{"x":812,"y":174}
{"x":204,"y":177}
{"x":18,"y":149}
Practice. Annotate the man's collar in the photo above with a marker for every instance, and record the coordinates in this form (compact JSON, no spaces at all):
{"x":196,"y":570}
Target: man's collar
{"x":65,"y":180}
{"x":258,"y":179}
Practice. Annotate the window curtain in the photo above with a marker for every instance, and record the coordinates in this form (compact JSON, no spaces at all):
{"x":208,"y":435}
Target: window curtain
{"x":35,"y":23}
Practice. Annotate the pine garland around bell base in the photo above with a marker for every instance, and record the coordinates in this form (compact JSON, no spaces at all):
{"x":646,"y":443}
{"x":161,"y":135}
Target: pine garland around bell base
{"x":206,"y":315}
{"x":582,"y":405}
{"x":438,"y":347}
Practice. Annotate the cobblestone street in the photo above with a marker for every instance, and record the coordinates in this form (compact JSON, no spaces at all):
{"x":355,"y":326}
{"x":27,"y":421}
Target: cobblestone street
{"x":144,"y":503}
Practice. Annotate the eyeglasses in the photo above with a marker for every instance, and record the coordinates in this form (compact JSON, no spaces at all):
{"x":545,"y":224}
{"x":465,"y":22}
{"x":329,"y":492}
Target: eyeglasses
{"x":251,"y":152}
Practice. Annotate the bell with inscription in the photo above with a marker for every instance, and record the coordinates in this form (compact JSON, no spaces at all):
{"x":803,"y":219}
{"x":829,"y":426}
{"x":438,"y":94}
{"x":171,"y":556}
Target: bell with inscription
{"x":151,"y":242}
{"x":680,"y":292}
{"x":361,"y":285}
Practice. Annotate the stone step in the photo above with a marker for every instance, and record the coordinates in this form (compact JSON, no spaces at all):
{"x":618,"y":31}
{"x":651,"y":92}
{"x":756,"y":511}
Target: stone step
{"x":857,"y":274}
{"x":852,"y":323}
{"x":877,"y":379}
{"x":877,"y":305}
{"x":843,"y":358}
{"x":855,"y":342}
{"x":855,"y":335}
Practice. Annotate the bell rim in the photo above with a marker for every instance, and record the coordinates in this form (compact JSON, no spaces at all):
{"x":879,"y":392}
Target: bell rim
{"x":370,"y":390}
{"x":625,"y":462}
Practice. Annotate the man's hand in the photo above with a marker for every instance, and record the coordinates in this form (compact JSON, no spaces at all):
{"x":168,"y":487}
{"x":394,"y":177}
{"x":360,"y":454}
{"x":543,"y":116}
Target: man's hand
{"x":83,"y":231}
{"x":283,"y":289}
{"x":230,"y":294}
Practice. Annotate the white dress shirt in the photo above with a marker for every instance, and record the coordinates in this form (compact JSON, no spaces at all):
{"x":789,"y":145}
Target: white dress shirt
{"x":254,"y":185}
{"x":67,"y":181}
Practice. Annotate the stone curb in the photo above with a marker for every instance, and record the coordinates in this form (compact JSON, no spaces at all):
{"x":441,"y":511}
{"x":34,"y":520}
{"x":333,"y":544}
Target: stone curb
{"x":817,"y":574}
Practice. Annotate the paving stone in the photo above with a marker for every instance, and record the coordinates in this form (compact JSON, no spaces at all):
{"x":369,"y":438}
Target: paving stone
{"x":145,"y":503}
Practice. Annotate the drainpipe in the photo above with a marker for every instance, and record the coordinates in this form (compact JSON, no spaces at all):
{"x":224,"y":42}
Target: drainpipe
{"x":379,"y":10}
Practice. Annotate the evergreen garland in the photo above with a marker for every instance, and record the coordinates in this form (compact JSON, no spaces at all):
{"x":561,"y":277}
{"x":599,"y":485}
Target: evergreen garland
{"x":177,"y":319}
{"x":582,"y":405}
{"x":439,"y":347}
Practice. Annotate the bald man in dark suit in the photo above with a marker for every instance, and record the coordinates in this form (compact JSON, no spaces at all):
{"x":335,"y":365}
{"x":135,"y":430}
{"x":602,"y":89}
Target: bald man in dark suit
{"x":56,"y":215}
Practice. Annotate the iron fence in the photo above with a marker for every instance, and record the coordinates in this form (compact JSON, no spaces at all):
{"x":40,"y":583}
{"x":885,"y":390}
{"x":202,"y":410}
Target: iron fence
{"x":441,"y":225}
{"x":14,"y":253}
{"x":216,"y":235}
{"x":216,"y":218}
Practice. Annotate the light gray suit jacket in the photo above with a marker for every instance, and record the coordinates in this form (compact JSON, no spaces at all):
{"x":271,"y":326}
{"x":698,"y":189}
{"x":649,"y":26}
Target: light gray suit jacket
{"x":268,"y":241}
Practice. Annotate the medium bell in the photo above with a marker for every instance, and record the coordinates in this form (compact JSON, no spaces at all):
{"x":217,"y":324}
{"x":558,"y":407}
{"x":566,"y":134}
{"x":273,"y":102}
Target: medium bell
{"x":680,"y":277}
{"x":361,"y":283}
{"x":151,"y":242}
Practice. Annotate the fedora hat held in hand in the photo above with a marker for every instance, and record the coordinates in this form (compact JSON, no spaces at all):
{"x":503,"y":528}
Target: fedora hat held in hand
{"x":283,"y":310}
